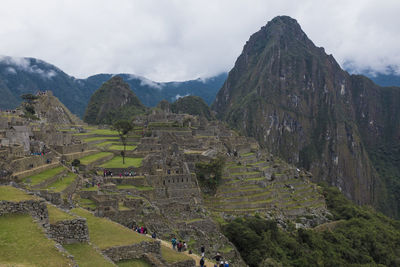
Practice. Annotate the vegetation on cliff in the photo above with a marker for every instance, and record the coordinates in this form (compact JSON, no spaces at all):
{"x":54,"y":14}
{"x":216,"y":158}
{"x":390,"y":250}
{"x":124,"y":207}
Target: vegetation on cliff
{"x":298,"y":102}
{"x":357,"y":236}
{"x":193,"y":105}
{"x":113,"y":101}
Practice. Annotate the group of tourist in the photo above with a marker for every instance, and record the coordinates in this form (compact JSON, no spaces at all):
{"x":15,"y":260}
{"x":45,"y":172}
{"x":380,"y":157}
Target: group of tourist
{"x":107,"y":173}
{"x":179,"y":245}
{"x":218,"y":258}
{"x":141,"y":230}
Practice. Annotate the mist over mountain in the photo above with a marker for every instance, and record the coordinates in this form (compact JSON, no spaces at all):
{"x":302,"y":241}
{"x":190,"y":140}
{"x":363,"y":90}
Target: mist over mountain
{"x":298,"y":102}
{"x":28,"y":75}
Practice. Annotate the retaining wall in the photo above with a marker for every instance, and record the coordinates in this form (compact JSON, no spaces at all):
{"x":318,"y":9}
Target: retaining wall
{"x":69,"y":231}
{"x":36,"y":208}
{"x":134,"y":251}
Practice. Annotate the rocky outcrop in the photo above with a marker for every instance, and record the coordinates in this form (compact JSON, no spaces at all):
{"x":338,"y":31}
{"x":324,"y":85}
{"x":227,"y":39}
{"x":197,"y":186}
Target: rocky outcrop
{"x":297,"y":101}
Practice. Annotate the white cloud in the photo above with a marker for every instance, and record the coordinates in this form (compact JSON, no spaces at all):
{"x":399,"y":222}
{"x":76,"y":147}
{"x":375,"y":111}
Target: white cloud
{"x":144,"y":81}
{"x":186,"y":39}
{"x":24,"y":64}
{"x":180,"y":96}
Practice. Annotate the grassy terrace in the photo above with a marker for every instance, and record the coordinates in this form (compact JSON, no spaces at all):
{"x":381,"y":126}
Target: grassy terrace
{"x":10,"y":193}
{"x":86,"y":256}
{"x":121,"y":147}
{"x":99,"y":132}
{"x":23,"y":243}
{"x":63,"y":183}
{"x":43,"y":176}
{"x":91,"y":139}
{"x":116,"y":162}
{"x":171,"y":256}
{"x":104,"y":144}
{"x":94,"y":157}
{"x":105,"y":233}
{"x":87,"y":203}
{"x":140,"y":188}
{"x":133,"y":263}
{"x":56,"y":215}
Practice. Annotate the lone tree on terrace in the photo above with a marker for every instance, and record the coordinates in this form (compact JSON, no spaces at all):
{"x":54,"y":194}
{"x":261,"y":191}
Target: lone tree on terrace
{"x":123,"y":127}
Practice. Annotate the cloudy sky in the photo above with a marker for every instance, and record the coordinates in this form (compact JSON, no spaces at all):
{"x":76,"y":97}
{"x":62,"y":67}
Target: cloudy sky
{"x":167,"y":40}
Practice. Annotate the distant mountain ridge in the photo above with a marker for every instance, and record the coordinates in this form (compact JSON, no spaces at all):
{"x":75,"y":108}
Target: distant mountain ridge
{"x":28,"y":75}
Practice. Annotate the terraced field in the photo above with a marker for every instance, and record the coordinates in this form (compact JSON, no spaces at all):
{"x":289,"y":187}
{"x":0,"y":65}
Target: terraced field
{"x":252,"y":186}
{"x":94,"y":157}
{"x":43,"y":176}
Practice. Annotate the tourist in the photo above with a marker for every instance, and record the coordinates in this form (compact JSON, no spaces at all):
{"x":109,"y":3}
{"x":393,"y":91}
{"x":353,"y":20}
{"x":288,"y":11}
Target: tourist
{"x":202,"y":262}
{"x":173,"y":241}
{"x":184,"y":246}
{"x":180,"y":246}
{"x":142,"y":230}
{"x":217,"y":257}
{"x":226,"y":264}
{"x":145,"y":230}
{"x":202,"y":250}
{"x":154,"y":235}
{"x":221,"y":264}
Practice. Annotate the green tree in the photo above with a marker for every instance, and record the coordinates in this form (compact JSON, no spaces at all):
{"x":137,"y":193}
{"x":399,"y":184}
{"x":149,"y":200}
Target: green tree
{"x":29,"y":98}
{"x":123,"y":127}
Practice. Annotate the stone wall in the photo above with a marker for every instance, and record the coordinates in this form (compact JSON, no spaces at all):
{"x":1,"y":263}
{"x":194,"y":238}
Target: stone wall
{"x":36,"y":170}
{"x":134,"y":251}
{"x":97,"y":162}
{"x":36,"y":208}
{"x":27,"y":163}
{"x":136,"y":181}
{"x":52,"y":197}
{"x":78,"y":155}
{"x":69,"y":231}
{"x":73,"y":148}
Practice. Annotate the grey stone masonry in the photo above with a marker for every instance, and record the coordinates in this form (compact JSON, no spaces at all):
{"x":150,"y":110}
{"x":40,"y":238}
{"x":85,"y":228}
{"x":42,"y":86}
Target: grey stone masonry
{"x":36,"y":208}
{"x":69,"y":231}
{"x":134,"y":251}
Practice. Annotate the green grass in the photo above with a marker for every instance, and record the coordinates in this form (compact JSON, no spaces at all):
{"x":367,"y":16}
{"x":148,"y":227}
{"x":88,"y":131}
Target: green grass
{"x":122,"y":207}
{"x":247,"y":154}
{"x":103,"y":144}
{"x":133,"y":263}
{"x":86,"y":256}
{"x":62,"y":184}
{"x":140,"y":188}
{"x":56,"y":215}
{"x":121,"y":147}
{"x":87,"y":203}
{"x":10,"y":193}
{"x":23,"y":243}
{"x":91,"y":139}
{"x":105,"y":233}
{"x":116,"y":162}
{"x":171,"y":256}
{"x":43,"y":176}
{"x":92,"y":158}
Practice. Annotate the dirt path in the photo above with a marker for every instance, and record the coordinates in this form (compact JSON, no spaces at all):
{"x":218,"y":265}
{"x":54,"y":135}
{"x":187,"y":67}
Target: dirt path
{"x":196,"y":257}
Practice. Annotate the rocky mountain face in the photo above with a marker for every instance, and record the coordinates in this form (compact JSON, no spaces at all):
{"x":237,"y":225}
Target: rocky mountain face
{"x":28,"y":75}
{"x":50,"y":110}
{"x":114,"y":100}
{"x":297,"y":101}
